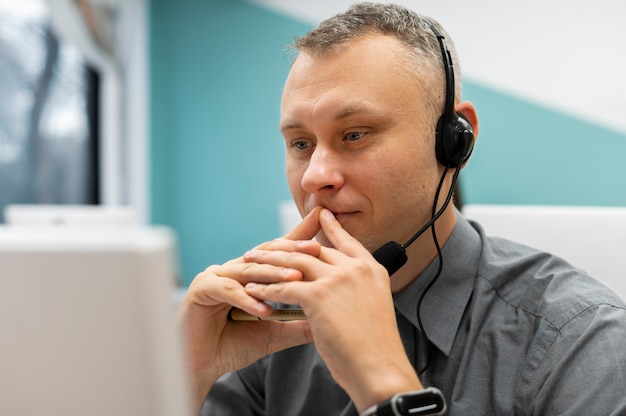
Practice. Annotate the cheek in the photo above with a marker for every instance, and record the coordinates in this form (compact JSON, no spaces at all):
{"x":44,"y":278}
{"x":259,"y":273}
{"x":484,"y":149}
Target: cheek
{"x":294,"y":180}
{"x":408,"y":190}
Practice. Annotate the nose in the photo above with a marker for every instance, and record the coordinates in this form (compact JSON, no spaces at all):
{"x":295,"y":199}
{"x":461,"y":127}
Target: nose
{"x":323,"y":172}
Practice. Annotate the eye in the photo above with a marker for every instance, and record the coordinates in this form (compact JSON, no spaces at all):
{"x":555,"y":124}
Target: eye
{"x":299,"y":144}
{"x":353,"y":136}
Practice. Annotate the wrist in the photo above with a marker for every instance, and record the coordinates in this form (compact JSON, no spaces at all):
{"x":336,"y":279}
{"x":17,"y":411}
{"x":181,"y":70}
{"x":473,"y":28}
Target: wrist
{"x":200,"y":390}
{"x":376,"y":386}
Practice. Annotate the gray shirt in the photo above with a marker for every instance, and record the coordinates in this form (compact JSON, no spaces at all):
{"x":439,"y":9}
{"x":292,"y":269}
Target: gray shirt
{"x":509,"y":331}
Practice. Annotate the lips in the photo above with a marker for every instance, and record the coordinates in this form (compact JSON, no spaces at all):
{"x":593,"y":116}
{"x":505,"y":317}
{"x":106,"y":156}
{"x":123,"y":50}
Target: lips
{"x":342,"y":214}
{"x":343,"y":217}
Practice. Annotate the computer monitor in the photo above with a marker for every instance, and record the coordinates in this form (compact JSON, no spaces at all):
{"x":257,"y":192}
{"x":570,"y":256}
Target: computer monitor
{"x":591,"y":238}
{"x":87,"y":322}
{"x":69,"y":215}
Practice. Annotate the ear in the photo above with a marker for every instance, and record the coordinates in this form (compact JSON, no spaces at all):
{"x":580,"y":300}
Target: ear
{"x":467,"y":110}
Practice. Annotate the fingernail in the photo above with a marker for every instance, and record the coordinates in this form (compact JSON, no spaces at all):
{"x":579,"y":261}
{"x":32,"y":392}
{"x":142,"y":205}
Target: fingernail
{"x":287,"y":271}
{"x":329,"y":214}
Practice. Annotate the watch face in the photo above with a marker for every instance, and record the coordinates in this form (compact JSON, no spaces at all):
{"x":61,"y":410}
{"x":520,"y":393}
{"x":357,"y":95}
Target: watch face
{"x":425,"y":402}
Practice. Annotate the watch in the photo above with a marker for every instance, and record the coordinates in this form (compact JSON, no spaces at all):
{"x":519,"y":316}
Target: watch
{"x":429,"y":401}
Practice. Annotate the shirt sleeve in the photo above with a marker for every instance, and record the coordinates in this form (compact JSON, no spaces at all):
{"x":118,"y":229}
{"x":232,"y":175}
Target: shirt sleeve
{"x":291,"y":382}
{"x":583,"y":371}
{"x":237,"y":393}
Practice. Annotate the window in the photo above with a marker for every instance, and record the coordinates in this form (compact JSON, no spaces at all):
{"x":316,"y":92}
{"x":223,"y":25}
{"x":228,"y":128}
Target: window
{"x":48,"y":112}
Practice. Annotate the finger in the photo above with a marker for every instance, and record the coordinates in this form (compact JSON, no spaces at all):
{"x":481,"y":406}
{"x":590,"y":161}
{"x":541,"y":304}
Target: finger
{"x":266,"y":272}
{"x":305,"y":231}
{"x":245,"y":302}
{"x":308,"y":228}
{"x":278,"y":292}
{"x":213,"y":290}
{"x":340,"y":238}
{"x":225,"y":284}
{"x":305,"y":263}
{"x":309,"y":247}
{"x":244,"y":271}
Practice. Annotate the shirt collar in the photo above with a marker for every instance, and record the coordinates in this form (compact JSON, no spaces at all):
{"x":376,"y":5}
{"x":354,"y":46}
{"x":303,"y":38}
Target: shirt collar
{"x":443,"y":306}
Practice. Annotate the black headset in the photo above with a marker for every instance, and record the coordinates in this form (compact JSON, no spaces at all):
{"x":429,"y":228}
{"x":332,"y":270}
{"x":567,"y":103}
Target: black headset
{"x":454,"y":134}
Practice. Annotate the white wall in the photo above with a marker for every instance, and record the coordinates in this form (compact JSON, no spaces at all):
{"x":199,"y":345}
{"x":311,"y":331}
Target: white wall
{"x":566,"y":55}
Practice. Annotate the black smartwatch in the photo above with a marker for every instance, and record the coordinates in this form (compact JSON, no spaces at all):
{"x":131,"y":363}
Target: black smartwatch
{"x":429,"y":401}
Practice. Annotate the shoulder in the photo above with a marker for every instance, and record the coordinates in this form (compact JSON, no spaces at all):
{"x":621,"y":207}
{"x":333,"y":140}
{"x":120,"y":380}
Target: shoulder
{"x":574,"y":327}
{"x":541,"y":283}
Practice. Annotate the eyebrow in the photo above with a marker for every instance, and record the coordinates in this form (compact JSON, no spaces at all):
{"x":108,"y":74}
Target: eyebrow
{"x":344,"y":112}
{"x":355,"y":108}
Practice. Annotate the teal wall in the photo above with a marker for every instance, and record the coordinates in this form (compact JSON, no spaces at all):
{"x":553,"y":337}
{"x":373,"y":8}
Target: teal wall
{"x":217,"y":69}
{"x":527,"y":154}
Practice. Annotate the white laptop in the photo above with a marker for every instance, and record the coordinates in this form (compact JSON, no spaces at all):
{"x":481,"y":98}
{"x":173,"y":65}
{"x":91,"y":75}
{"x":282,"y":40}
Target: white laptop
{"x":87,"y":322}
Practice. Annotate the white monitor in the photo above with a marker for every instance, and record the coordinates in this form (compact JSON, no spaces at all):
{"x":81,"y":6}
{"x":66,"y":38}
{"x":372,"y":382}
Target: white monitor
{"x":592,"y":238}
{"x":69,"y":215}
{"x":87,"y":322}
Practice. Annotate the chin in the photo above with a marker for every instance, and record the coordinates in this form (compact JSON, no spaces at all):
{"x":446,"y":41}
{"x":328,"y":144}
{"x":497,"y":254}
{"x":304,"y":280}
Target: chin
{"x":369,"y":243}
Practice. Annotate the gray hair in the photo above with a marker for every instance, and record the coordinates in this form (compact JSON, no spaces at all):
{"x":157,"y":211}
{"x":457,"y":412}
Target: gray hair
{"x":412,"y":29}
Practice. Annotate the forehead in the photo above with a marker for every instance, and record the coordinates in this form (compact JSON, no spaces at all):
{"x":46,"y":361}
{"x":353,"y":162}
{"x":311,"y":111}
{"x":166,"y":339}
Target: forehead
{"x":373,"y":70}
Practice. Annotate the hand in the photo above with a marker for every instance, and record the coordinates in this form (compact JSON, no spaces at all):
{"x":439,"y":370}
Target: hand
{"x":215,"y":345}
{"x":346,"y":297}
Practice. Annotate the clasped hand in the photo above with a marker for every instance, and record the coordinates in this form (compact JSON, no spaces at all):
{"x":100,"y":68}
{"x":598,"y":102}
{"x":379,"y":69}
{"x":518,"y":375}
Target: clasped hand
{"x":343,"y":291}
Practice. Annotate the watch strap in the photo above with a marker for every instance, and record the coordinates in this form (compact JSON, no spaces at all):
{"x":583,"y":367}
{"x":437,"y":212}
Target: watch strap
{"x":429,"y":401}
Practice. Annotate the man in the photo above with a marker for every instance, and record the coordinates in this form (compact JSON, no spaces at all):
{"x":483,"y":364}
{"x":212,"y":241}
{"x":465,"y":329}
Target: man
{"x":375,"y":137}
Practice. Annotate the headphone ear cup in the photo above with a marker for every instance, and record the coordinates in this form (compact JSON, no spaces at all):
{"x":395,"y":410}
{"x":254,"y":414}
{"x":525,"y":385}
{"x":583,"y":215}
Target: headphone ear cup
{"x":454,"y":141}
{"x":464,"y":136}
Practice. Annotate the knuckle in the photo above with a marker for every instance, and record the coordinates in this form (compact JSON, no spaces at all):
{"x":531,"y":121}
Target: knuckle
{"x":247,"y":269}
{"x":278,"y":288}
{"x":230,"y":285}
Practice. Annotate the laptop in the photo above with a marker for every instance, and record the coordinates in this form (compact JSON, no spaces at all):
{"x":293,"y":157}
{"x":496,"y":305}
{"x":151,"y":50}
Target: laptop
{"x":88,"y":322}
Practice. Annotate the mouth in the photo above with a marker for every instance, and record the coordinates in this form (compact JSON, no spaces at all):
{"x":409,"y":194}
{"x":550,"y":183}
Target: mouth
{"x":341,"y":214}
{"x":344,"y":217}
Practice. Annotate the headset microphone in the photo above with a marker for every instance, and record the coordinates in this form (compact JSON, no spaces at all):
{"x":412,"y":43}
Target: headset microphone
{"x":453,"y":146}
{"x":392,"y":255}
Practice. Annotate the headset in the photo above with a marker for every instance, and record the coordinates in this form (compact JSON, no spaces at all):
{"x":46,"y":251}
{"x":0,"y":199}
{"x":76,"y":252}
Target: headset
{"x":454,"y":134}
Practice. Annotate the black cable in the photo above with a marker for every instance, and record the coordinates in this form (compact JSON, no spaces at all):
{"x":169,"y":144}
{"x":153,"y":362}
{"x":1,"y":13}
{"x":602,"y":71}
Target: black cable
{"x":434,"y":215}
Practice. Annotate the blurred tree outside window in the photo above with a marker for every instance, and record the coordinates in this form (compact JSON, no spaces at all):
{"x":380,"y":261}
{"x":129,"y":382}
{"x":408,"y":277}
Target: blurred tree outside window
{"x":48,"y":112}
